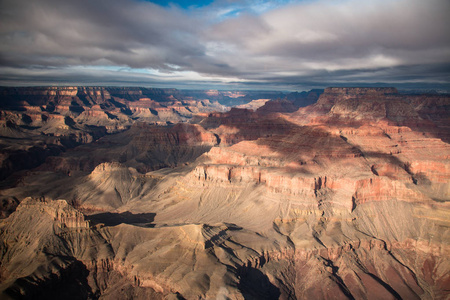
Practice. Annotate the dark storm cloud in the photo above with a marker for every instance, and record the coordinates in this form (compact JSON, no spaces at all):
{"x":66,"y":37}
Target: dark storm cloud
{"x":116,"y":32}
{"x":246,"y":42}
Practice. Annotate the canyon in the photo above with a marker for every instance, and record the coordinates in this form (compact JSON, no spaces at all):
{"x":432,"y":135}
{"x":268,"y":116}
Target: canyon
{"x":137,"y":193}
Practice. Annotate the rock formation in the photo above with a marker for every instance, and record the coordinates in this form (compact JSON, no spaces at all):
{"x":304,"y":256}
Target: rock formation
{"x":36,"y":123}
{"x":347,"y":198}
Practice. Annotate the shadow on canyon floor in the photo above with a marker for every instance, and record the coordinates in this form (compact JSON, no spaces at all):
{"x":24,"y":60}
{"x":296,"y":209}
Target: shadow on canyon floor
{"x":70,"y":283}
{"x":143,"y":147}
{"x":113,"y":219}
{"x":255,"y":285}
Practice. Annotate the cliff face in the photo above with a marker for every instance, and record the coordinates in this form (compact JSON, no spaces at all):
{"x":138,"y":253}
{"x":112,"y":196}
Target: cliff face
{"x":347,"y":198}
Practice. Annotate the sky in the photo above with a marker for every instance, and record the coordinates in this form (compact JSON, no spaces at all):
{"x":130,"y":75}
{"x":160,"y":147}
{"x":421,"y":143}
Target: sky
{"x":226,"y":44}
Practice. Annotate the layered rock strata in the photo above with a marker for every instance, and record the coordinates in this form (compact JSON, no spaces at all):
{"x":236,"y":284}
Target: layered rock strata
{"x":320,"y":203}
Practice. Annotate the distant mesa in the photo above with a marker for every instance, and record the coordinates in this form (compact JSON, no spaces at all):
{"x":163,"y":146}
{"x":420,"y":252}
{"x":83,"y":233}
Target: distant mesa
{"x":359,"y":91}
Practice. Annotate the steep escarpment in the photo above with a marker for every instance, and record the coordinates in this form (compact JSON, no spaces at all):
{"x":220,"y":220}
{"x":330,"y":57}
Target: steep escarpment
{"x":50,"y":251}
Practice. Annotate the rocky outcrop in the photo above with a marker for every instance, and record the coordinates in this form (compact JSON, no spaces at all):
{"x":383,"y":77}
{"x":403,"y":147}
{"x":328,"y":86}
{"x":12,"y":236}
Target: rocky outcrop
{"x":59,"y":210}
{"x":49,"y":251}
{"x":109,"y":186}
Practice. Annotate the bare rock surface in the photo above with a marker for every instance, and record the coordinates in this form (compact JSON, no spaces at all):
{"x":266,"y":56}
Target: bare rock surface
{"x":348,"y":198}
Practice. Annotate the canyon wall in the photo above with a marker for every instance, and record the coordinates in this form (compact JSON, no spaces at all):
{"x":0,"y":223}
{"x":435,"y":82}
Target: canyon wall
{"x":347,"y":198}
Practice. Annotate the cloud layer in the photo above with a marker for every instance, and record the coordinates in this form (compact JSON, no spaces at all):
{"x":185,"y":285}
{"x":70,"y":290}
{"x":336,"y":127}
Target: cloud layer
{"x":283,"y":45}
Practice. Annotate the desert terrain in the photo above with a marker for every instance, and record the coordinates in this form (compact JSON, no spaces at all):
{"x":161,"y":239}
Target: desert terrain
{"x":133,"y":193}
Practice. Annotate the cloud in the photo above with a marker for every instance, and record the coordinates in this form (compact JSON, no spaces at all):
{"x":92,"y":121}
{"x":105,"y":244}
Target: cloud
{"x":347,"y":34}
{"x":135,"y":34}
{"x":246,"y":42}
